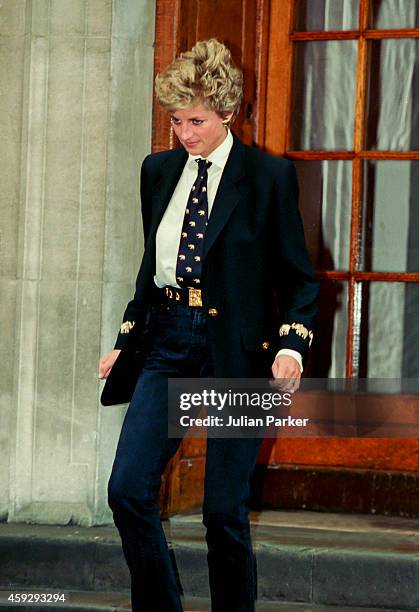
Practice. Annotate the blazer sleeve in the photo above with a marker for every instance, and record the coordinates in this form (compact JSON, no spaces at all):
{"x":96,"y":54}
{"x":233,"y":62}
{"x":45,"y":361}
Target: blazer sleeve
{"x":295,"y":283}
{"x":134,"y":311}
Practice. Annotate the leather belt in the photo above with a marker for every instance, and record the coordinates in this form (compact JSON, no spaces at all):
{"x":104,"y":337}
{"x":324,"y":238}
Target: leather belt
{"x":187,"y":296}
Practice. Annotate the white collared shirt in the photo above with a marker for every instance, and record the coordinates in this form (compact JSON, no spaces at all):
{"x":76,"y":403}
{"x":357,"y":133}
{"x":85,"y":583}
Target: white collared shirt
{"x":169,"y":230}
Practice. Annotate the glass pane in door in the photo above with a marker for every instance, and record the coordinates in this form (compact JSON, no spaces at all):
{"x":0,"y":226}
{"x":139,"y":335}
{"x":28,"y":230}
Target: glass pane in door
{"x":324,"y":95}
{"x":325,"y":203}
{"x":391,"y":216}
{"x":390,"y":329}
{"x":393,"y":95}
{"x":392,"y":14}
{"x":318,"y":15}
{"x":328,"y":351}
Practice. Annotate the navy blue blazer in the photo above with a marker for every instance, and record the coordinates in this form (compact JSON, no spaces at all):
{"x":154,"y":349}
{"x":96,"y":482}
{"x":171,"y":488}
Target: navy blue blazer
{"x":257,"y":275}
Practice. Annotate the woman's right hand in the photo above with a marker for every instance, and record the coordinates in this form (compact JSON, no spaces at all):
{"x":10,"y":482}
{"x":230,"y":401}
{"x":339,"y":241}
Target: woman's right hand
{"x":106,"y":363}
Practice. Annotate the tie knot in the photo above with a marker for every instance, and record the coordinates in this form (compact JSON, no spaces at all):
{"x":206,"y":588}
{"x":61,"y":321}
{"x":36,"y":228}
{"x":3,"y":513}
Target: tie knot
{"x":203,"y":164}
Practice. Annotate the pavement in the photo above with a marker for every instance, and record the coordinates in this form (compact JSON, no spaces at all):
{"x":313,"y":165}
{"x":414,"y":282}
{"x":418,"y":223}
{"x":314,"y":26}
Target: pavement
{"x":307,"y":561}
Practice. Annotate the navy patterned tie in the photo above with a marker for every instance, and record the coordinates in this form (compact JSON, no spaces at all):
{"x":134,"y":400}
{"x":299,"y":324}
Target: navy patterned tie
{"x":191,"y":246}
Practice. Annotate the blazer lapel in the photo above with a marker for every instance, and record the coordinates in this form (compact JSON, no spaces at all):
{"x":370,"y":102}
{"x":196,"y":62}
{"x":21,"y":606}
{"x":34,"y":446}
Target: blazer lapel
{"x":227,"y":198}
{"x":228,"y":194}
{"x":170,"y":173}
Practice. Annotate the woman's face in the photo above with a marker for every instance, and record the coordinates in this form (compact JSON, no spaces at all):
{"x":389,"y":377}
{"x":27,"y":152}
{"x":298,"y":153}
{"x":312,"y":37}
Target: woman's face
{"x":199,"y":130}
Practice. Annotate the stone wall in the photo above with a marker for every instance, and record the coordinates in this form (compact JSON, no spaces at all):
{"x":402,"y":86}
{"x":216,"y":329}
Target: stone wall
{"x":75,"y":124}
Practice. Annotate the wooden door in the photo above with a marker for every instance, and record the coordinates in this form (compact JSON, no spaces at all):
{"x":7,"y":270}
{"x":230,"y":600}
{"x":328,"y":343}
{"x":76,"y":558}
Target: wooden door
{"x":318,"y":86}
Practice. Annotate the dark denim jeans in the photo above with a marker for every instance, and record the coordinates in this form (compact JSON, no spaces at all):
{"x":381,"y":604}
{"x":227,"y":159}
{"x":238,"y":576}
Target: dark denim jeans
{"x":179,"y":348}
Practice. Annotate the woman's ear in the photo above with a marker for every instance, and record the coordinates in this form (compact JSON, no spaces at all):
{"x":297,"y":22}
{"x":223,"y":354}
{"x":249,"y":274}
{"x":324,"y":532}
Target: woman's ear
{"x":227,"y":118}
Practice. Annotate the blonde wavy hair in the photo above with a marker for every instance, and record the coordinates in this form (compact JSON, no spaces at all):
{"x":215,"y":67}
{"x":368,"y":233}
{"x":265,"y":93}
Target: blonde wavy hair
{"x":206,"y":74}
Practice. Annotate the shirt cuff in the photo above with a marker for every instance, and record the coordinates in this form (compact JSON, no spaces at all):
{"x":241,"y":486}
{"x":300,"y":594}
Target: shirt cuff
{"x":291,"y":353}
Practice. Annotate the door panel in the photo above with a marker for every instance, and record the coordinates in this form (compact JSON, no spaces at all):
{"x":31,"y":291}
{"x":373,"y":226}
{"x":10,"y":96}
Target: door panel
{"x":320,"y":88}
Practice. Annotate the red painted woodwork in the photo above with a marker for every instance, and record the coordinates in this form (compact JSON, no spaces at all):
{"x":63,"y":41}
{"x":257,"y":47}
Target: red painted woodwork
{"x":310,"y":472}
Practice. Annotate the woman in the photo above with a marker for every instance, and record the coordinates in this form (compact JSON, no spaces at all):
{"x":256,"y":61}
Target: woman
{"x":223,"y":243}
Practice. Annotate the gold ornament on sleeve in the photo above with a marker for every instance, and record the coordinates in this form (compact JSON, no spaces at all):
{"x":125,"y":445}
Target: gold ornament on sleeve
{"x":127,"y":327}
{"x":300,"y":329}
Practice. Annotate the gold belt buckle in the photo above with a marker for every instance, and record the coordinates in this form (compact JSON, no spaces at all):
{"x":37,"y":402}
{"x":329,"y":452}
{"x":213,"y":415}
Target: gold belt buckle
{"x":195,"y":298}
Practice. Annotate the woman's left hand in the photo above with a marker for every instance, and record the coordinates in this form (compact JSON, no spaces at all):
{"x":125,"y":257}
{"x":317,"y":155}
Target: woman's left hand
{"x":287,"y":369}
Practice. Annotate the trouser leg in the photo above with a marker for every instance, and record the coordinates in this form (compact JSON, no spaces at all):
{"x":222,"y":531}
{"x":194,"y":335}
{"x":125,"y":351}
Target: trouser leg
{"x":231,"y":562}
{"x":178,"y":348}
{"x":143,"y":452}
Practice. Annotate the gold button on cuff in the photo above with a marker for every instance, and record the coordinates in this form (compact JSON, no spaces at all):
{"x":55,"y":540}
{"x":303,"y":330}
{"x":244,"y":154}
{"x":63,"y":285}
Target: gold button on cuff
{"x":213,"y":312}
{"x":265,"y":345}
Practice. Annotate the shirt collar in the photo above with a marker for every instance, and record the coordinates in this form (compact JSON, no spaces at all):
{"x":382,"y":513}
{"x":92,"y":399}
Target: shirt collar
{"x":219,"y":156}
